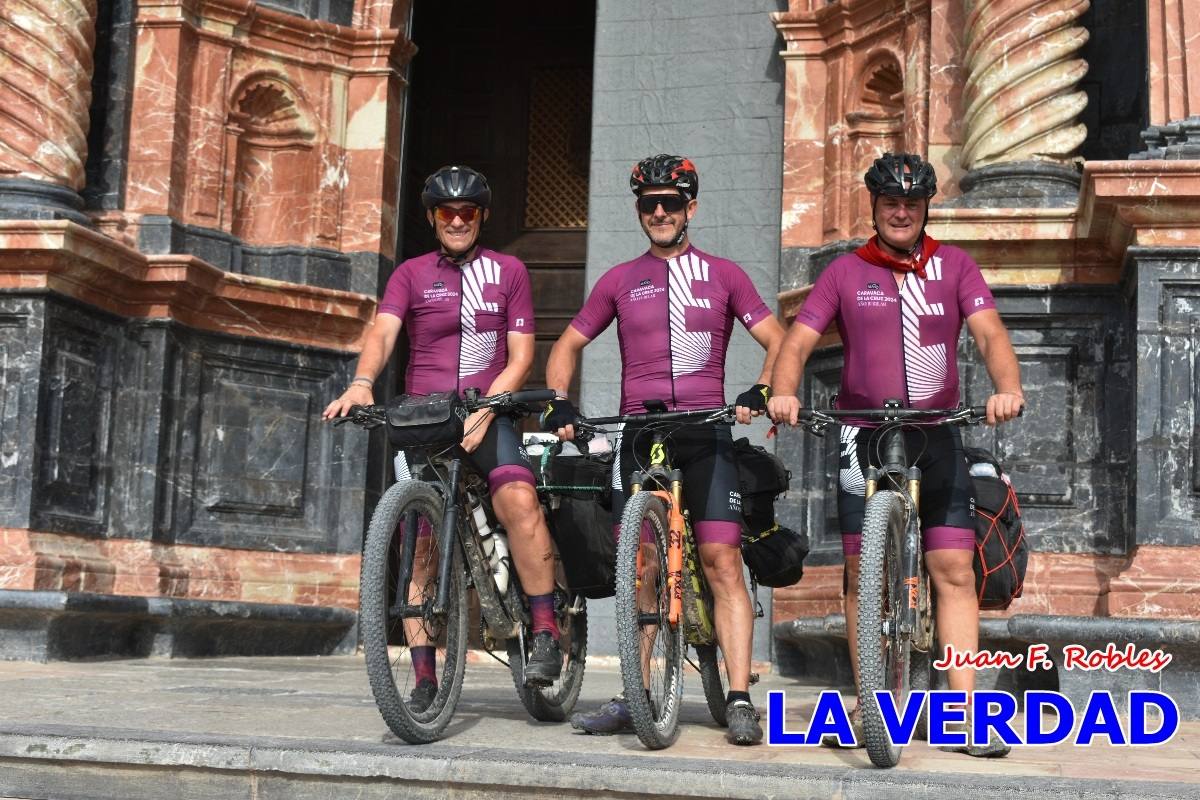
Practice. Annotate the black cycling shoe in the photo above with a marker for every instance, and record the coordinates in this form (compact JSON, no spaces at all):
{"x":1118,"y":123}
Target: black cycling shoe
{"x":743,"y":723}
{"x":545,"y":661}
{"x":856,"y":725}
{"x":422,"y":696}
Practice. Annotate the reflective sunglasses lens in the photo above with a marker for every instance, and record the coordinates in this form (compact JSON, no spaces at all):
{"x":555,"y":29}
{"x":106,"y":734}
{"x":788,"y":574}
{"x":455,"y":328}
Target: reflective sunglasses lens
{"x":671,"y":203}
{"x":446,"y":214}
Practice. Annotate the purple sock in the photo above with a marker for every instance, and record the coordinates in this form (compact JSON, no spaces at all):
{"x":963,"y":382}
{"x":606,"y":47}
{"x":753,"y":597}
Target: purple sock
{"x":542,"y":608}
{"x":423,"y":663}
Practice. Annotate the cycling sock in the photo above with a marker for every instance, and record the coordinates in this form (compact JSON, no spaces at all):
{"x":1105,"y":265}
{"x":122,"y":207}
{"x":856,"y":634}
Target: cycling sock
{"x":542,"y":608}
{"x":423,"y":663}
{"x":732,"y":696}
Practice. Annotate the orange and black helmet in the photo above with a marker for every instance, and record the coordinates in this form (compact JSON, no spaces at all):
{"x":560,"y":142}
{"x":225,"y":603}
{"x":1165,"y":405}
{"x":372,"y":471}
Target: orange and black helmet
{"x":665,"y":170}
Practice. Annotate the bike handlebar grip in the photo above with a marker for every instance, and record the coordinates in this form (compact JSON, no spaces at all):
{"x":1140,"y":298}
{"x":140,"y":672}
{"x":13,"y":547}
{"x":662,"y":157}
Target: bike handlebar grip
{"x":533,"y":396}
{"x":804,"y":415}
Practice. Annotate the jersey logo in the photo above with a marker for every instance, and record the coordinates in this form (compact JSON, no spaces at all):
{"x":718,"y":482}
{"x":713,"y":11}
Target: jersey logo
{"x":478,"y":347}
{"x":978,"y":302}
{"x":690,"y":350}
{"x":747,"y":317}
{"x":439,"y":284}
{"x":645,"y":282}
{"x":520,"y":322}
{"x":926,"y":366}
{"x":873,"y":286}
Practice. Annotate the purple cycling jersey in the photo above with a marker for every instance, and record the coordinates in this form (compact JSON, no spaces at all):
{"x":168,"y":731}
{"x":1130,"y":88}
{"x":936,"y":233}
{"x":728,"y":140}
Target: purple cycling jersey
{"x":458,"y":317}
{"x":674,"y":317}
{"x":900,"y":342}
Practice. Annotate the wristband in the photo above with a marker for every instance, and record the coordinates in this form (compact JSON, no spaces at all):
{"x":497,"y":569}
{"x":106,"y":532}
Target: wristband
{"x":368,"y":381}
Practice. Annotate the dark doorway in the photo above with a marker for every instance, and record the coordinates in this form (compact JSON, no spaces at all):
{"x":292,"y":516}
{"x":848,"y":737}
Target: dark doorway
{"x":507,"y":89}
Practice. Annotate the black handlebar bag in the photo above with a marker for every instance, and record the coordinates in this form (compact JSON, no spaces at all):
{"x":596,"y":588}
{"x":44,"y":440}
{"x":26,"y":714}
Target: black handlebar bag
{"x":425,"y":420}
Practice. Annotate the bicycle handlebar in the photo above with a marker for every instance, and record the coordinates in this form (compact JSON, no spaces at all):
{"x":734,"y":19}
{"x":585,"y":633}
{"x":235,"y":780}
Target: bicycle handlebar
{"x":702,"y":414}
{"x":373,"y":416}
{"x":814,"y":419}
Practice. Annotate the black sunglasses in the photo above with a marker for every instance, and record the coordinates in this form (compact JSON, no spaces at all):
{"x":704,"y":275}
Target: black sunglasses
{"x":671,"y":203}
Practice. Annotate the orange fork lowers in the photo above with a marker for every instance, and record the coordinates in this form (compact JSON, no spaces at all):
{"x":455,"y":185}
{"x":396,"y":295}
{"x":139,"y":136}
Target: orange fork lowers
{"x":674,"y":502}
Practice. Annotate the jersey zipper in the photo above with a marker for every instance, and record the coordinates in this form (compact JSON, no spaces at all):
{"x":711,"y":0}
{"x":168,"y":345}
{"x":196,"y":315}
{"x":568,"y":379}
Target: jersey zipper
{"x":458,"y":365}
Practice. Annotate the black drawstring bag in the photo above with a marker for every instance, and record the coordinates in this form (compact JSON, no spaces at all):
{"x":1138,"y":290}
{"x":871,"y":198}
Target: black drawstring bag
{"x":774,"y":554}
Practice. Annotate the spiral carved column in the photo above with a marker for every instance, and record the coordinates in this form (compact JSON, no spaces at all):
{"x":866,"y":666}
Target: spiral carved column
{"x":1021,"y":106}
{"x":45,"y":90}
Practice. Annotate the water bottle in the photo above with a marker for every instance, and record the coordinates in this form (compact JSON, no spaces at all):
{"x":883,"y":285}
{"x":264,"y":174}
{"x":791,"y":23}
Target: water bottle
{"x":495,"y":545}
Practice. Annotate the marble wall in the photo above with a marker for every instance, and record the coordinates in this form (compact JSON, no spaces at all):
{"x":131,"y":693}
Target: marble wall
{"x":179,"y":304}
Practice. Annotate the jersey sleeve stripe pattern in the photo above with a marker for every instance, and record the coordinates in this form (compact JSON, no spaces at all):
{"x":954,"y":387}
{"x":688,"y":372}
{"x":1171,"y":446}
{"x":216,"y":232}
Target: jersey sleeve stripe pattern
{"x":478,"y":349}
{"x":690,"y":351}
{"x":925,"y":367}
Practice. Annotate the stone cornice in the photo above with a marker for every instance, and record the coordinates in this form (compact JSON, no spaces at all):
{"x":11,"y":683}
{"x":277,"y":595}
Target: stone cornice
{"x":810,"y":32}
{"x":305,"y":40}
{"x":75,"y":262}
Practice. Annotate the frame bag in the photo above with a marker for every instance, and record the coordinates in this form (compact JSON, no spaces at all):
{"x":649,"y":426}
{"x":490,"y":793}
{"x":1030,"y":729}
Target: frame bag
{"x":581,"y":522}
{"x":425,"y":421}
{"x":774,"y":554}
{"x":1001,"y":550}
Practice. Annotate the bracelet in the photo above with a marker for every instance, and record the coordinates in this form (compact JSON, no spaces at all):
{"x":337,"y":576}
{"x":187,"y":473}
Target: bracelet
{"x":361,"y":379}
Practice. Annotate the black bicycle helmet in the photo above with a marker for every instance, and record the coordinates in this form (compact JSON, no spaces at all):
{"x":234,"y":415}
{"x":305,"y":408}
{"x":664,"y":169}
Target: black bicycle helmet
{"x":664,"y":170}
{"x":456,"y":183}
{"x":901,"y":175}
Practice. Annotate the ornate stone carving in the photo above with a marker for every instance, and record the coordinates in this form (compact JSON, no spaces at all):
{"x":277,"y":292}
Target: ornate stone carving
{"x":45,"y":89}
{"x":1019,"y":100}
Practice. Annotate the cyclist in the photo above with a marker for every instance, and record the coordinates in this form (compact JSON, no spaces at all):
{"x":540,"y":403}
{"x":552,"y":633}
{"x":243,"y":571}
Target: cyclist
{"x":674,"y":306}
{"x":900,"y":302}
{"x":469,"y":316}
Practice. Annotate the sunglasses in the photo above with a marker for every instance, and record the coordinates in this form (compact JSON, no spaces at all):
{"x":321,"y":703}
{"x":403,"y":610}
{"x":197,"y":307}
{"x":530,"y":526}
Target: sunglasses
{"x":446,"y":214}
{"x":671,"y":203}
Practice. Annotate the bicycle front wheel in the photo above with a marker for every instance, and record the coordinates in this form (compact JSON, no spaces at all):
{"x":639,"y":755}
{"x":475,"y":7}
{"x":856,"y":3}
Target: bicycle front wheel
{"x":415,"y":655}
{"x":883,"y":650}
{"x":650,"y":648}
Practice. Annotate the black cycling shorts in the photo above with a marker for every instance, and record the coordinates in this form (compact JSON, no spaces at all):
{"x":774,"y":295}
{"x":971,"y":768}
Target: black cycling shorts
{"x":499,"y":456}
{"x":947,"y":495}
{"x":710,"y":476}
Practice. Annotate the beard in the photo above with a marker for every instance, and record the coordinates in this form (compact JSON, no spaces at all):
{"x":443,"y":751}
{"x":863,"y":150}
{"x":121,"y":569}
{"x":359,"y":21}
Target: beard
{"x":662,"y":236}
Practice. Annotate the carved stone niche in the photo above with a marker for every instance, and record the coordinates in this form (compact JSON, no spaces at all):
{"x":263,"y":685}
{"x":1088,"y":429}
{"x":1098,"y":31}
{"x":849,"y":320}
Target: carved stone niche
{"x":270,"y":192}
{"x":874,"y":127}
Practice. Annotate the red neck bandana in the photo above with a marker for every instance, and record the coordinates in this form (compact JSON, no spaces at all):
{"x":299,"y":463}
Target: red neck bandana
{"x":872,"y":253}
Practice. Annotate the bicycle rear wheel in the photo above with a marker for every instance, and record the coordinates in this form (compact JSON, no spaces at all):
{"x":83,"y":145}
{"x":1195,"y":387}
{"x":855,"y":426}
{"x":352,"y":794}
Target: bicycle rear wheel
{"x":651,"y":649}
{"x":883,"y":651}
{"x":554,"y":703}
{"x":390,"y":629}
{"x":712,"y":678}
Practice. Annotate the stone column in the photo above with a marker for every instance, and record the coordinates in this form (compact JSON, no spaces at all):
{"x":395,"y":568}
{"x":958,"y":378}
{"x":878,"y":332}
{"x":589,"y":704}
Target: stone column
{"x":1020,"y":106}
{"x":45,"y":90}
{"x":1174,"y":131}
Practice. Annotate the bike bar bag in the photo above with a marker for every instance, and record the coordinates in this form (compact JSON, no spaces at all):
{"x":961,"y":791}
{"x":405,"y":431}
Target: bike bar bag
{"x":589,"y":477}
{"x":774,"y":554}
{"x":1001,"y":550}
{"x":425,"y":421}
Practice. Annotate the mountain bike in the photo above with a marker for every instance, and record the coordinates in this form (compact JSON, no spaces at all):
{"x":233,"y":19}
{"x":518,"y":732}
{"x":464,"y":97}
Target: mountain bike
{"x":427,"y":542}
{"x":895,"y":633}
{"x":663,"y":602}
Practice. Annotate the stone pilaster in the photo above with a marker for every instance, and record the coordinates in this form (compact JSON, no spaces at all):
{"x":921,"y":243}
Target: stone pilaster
{"x":1174,"y":131}
{"x":45,"y":89}
{"x":1020,"y":102}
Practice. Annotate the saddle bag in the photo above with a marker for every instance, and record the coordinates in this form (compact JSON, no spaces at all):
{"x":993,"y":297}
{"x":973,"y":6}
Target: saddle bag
{"x":773,"y":553}
{"x":425,"y":421}
{"x":1001,"y":549}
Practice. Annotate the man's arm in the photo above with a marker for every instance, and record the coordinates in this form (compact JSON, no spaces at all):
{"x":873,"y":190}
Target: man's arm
{"x":794,"y":353}
{"x":991,"y":337}
{"x":377,"y":348}
{"x":560,"y":368}
{"x":768,"y":333}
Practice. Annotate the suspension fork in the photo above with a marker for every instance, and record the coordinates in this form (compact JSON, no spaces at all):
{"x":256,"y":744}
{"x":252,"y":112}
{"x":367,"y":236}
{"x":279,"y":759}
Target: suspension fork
{"x":675,"y":546}
{"x":408,"y":550}
{"x":911,"y":566}
{"x":446,"y":539}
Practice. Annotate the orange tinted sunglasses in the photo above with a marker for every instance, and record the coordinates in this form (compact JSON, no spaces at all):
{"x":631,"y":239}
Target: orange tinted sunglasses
{"x":446,"y":214}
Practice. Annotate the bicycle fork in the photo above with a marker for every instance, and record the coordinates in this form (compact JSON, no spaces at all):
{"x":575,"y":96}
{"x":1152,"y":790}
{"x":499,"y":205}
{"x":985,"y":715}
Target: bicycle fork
{"x":911,"y":550}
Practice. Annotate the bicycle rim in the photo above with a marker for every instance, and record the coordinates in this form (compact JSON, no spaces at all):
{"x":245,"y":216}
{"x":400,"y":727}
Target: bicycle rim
{"x":651,"y":649}
{"x":388,"y":638}
{"x":554,"y":703}
{"x":882,"y":658}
